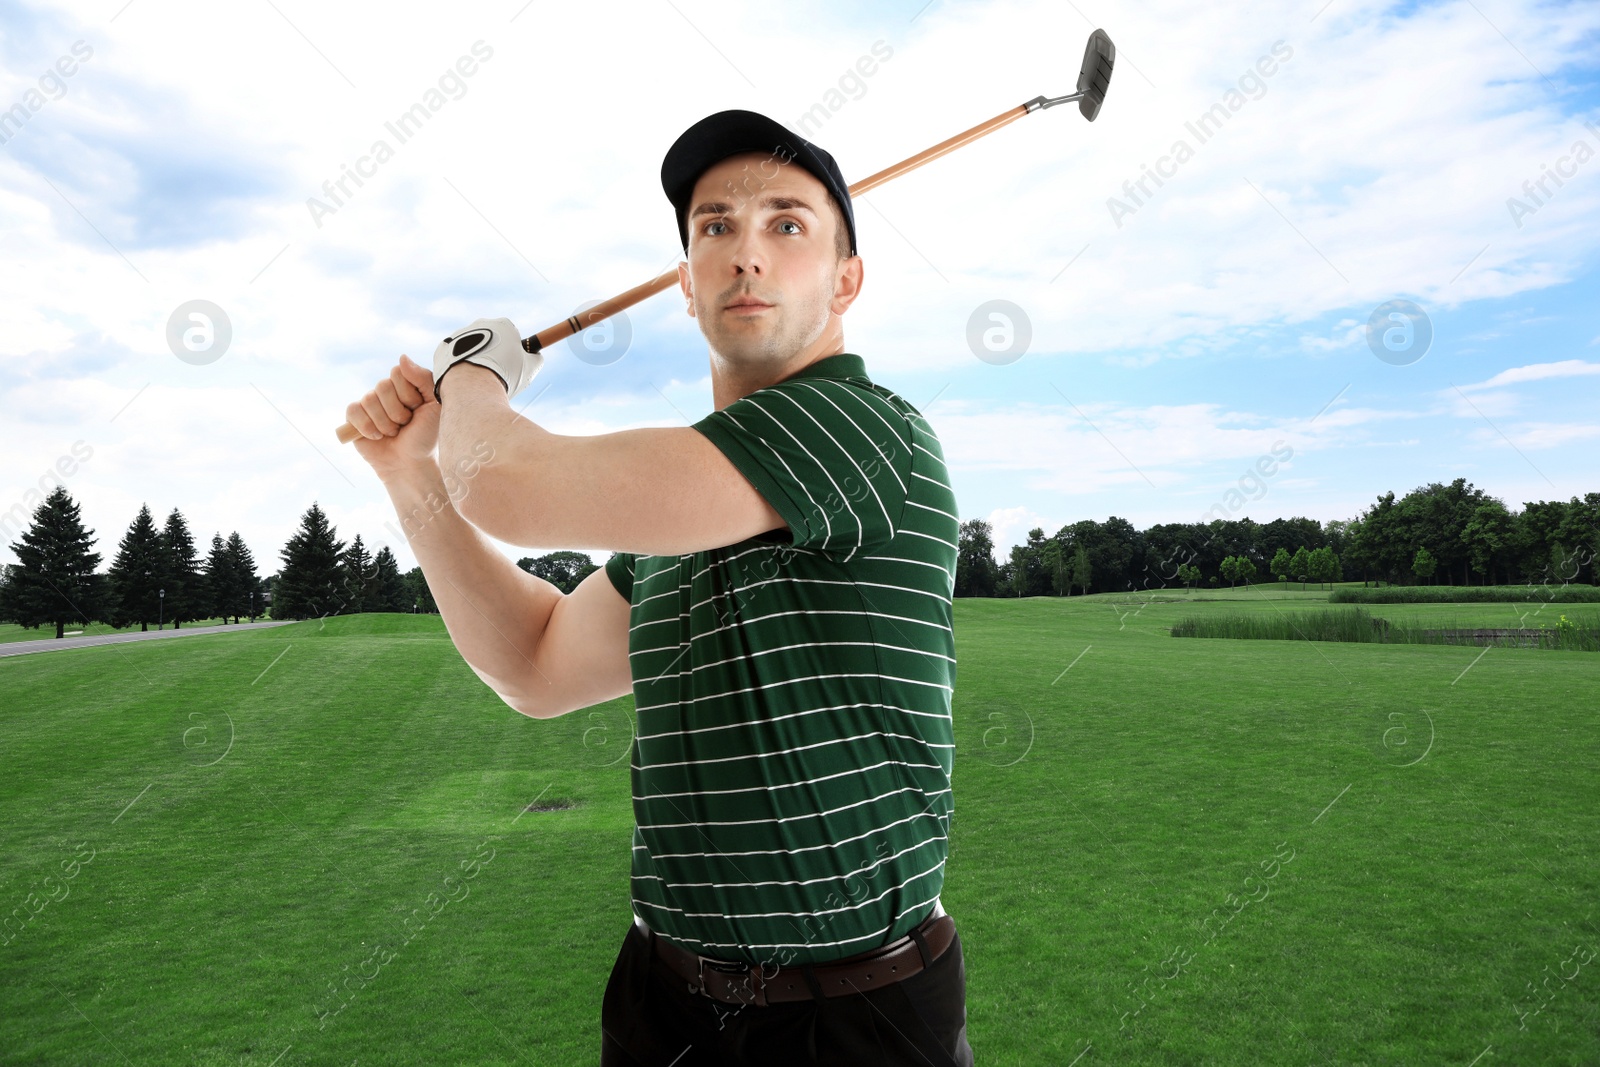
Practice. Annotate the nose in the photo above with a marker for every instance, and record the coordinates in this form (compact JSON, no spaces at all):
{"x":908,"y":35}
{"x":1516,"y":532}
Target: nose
{"x":747,"y":254}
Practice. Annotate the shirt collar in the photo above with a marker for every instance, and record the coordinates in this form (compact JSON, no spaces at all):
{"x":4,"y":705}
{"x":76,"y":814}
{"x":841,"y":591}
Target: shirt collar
{"x":839,"y":365}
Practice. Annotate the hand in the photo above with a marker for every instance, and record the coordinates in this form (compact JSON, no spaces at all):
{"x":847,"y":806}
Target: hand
{"x":398,"y":420}
{"x":491,"y":343}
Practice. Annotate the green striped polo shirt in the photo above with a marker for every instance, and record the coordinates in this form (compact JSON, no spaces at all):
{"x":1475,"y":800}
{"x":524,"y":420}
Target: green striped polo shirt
{"x":791,"y":765}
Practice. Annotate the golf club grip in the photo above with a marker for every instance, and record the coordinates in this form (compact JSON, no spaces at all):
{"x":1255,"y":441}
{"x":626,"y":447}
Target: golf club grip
{"x":605,"y":309}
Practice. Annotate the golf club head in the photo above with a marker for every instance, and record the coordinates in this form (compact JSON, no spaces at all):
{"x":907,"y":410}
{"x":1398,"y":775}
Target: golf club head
{"x":1099,"y":55}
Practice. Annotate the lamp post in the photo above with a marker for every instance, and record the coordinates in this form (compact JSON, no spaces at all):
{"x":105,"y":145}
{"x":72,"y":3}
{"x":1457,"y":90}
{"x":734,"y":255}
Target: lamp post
{"x":252,"y":605}
{"x":161,"y":606}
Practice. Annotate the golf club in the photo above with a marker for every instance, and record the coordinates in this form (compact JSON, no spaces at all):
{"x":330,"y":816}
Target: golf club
{"x":1099,"y":55}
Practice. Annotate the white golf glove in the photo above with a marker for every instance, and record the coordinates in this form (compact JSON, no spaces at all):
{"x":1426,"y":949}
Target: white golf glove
{"x":492,"y":343}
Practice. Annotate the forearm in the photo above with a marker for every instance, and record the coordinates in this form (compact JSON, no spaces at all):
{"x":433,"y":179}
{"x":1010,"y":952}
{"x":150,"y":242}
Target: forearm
{"x":512,"y":456}
{"x":494,"y":611}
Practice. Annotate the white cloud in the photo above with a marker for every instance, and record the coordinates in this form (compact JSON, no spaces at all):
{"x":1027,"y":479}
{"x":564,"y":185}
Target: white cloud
{"x":1533,"y":372}
{"x":1482,"y":405}
{"x":1534,"y":435}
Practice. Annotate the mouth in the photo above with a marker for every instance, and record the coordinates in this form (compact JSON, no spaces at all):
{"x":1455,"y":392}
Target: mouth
{"x":747,"y":306}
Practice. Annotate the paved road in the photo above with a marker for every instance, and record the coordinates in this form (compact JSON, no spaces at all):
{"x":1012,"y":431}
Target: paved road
{"x":50,"y":644}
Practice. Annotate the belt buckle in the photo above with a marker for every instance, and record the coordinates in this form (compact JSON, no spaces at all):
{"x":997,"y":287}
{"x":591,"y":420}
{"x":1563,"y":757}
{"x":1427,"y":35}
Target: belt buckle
{"x":755,"y":980}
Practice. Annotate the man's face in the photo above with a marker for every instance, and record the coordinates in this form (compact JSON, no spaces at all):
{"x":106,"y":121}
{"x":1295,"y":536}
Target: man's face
{"x":763,"y":276}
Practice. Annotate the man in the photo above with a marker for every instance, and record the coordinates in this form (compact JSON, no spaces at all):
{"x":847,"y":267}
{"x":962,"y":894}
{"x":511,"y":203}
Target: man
{"x":778,"y":603}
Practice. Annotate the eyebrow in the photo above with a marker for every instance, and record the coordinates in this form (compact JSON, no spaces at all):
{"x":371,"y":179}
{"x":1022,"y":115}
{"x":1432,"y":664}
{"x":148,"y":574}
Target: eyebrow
{"x":776,"y":203}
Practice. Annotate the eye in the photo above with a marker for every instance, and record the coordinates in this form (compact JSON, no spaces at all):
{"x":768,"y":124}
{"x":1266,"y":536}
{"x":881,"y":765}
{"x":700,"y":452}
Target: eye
{"x":790,"y":222}
{"x":713,"y":222}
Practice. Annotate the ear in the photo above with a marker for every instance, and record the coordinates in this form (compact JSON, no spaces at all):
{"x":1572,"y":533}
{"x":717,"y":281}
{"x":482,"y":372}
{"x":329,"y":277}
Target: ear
{"x":846,"y":285}
{"x":686,"y":286}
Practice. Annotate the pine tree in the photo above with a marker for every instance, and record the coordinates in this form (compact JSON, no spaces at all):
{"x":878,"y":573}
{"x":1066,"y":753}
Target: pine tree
{"x":245,"y":592}
{"x":54,"y":580}
{"x":137,"y":574}
{"x":218,"y":578}
{"x":388,"y":589}
{"x":186,"y":589}
{"x":310,"y":584}
{"x":418,"y":592}
{"x":355,"y":573}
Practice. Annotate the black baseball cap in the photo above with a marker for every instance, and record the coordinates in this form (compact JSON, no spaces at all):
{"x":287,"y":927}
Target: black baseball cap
{"x":728,"y":133}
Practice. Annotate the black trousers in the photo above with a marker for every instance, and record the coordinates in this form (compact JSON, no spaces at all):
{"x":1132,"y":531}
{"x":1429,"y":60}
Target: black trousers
{"x":648,"y":1018}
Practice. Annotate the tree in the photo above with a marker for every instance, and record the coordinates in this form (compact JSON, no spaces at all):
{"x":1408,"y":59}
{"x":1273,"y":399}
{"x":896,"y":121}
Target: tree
{"x":1115,"y":552}
{"x":417,"y":591}
{"x":1435,"y":515}
{"x":138,"y":574}
{"x":564,"y":570}
{"x":977,"y":574}
{"x":1244,"y":569}
{"x":1230,"y":569}
{"x":1028,"y":574}
{"x":310,"y":584}
{"x":217,"y":577}
{"x":1288,"y":534}
{"x":387,"y":591}
{"x":1281,"y":565}
{"x":1358,"y":550}
{"x":230,"y":577}
{"x":54,"y":579}
{"x":1338,"y":533}
{"x":355,"y":572}
{"x":1057,"y":566}
{"x":245,"y":594}
{"x":1487,"y":536}
{"x":1423,"y":565}
{"x":1188,"y":574}
{"x":1300,"y":565}
{"x":1564,"y":564}
{"x":1082,"y":573}
{"x":1382,"y":546}
{"x":187,"y":595}
{"x":1323,"y":565}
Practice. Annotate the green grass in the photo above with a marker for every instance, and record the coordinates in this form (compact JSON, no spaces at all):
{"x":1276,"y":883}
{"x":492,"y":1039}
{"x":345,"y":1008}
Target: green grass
{"x":1114,"y":787}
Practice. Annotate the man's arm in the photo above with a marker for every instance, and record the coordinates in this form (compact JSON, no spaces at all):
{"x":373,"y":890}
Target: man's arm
{"x":544,"y":653}
{"x":656,"y":491}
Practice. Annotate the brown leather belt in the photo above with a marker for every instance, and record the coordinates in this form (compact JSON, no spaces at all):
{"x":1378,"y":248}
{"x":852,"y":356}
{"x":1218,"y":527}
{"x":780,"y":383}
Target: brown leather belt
{"x":743,"y":983}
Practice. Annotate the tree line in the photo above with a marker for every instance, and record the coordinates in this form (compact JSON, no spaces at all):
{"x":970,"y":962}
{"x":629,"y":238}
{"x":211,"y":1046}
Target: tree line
{"x":1451,"y":534}
{"x":157,"y":576}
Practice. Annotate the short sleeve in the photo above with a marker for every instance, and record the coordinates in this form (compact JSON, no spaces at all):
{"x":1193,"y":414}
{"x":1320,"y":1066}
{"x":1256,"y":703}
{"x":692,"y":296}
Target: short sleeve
{"x":619,"y":568}
{"x":833,"y":458}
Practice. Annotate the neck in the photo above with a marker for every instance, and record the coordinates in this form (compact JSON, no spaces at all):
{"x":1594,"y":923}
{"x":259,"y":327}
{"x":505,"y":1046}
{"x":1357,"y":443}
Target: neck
{"x":731,"y":380}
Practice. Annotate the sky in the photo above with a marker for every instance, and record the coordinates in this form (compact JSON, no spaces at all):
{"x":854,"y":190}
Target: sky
{"x":1357,"y":238}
